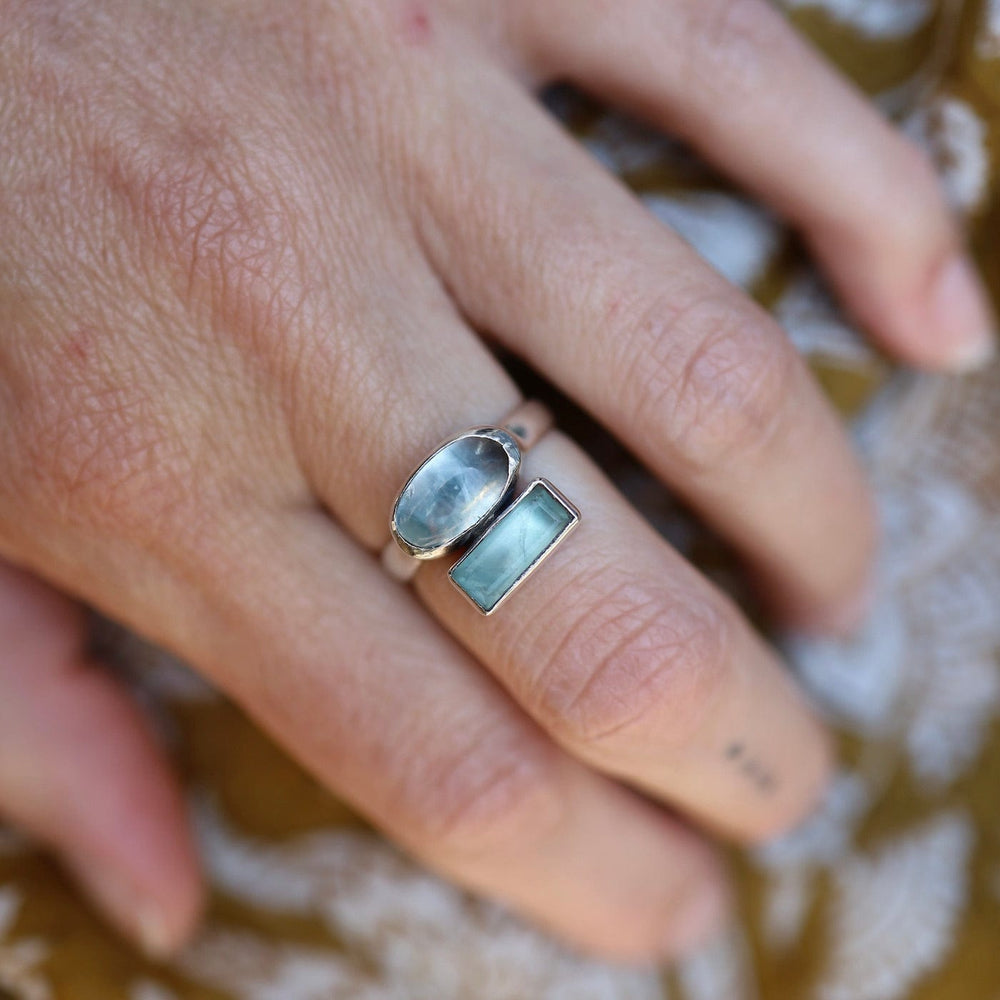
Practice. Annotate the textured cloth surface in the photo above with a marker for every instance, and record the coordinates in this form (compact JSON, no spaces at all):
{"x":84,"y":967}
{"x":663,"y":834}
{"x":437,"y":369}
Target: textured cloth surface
{"x":891,"y":892}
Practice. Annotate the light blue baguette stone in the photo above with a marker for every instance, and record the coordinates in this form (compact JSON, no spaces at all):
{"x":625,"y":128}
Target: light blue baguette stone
{"x":512,"y":546}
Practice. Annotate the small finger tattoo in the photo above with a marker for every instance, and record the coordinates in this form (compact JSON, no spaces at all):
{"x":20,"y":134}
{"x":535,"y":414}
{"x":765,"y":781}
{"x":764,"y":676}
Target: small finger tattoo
{"x":751,"y":768}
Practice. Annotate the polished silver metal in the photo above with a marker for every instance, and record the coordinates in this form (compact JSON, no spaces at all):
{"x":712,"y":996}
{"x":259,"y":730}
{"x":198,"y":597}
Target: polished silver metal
{"x":529,"y":423}
{"x":402,"y":556}
{"x":398,"y":564}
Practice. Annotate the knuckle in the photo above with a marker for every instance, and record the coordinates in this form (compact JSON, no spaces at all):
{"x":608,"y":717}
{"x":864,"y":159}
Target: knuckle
{"x":95,"y":454}
{"x":914,"y":214}
{"x":723,"y":397}
{"x":914,"y":169}
{"x":729,"y":43}
{"x":215,"y":214}
{"x":630,"y":653}
{"x":489,"y":796}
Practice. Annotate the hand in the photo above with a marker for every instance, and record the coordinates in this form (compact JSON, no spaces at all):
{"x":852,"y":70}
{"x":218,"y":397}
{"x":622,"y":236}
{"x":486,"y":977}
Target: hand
{"x":245,"y":249}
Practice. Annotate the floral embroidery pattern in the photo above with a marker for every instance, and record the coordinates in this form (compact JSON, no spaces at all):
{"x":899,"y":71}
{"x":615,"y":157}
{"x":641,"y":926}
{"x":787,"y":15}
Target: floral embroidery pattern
{"x":871,"y":899}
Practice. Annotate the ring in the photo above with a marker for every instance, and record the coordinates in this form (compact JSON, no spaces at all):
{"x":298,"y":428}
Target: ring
{"x":464,"y":495}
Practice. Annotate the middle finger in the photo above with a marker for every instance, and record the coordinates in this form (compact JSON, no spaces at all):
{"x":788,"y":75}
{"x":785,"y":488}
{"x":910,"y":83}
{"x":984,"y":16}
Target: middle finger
{"x":571,"y":272}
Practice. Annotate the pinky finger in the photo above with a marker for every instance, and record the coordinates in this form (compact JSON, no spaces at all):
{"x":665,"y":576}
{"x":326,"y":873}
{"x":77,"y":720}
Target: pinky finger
{"x":745,"y":89}
{"x":80,"y":770}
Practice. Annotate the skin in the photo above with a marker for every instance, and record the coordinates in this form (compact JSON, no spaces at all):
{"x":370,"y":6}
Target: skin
{"x":246,"y":248}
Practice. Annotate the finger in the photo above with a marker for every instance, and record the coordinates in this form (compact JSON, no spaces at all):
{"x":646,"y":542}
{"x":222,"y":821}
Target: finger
{"x":736,"y":81}
{"x":346,"y":670}
{"x":270,"y":599}
{"x":693,"y":376}
{"x":369,"y":693}
{"x":79,"y":768}
{"x":635,"y":664}
{"x":623,"y":616}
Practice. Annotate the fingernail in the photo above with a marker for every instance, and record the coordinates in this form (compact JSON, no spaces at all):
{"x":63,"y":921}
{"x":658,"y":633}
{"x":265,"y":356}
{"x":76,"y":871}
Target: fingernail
{"x":135,"y":914}
{"x":964,"y":317}
{"x":154,"y":934}
{"x":700,"y":920}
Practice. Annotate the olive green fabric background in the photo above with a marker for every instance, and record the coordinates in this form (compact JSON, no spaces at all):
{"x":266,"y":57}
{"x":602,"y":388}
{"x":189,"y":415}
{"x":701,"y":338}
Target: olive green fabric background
{"x":891,"y":893}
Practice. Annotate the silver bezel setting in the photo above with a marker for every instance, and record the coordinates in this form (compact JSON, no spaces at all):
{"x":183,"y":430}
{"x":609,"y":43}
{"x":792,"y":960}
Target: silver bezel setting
{"x":513,"y":452}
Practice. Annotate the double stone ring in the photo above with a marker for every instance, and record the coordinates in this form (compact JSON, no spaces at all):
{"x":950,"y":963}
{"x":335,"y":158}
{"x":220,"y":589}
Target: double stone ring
{"x":465,"y":495}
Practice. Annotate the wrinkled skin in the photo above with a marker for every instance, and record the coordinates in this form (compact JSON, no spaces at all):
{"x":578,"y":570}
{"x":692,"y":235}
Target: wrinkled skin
{"x":246,"y":248}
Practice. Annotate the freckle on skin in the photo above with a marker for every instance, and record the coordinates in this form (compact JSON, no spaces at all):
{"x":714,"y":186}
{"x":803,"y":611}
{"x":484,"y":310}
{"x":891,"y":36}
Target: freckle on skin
{"x":417,"y":29}
{"x":79,"y":346}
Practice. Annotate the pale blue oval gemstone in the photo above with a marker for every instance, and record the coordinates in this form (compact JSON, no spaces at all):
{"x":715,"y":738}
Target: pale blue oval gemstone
{"x":453,"y":491}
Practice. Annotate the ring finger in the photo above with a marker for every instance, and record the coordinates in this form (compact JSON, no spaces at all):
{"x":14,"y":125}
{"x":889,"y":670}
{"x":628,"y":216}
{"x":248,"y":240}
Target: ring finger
{"x":622,"y":651}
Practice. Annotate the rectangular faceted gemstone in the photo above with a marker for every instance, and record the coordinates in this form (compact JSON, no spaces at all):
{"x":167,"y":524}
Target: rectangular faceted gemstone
{"x":513,"y":545}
